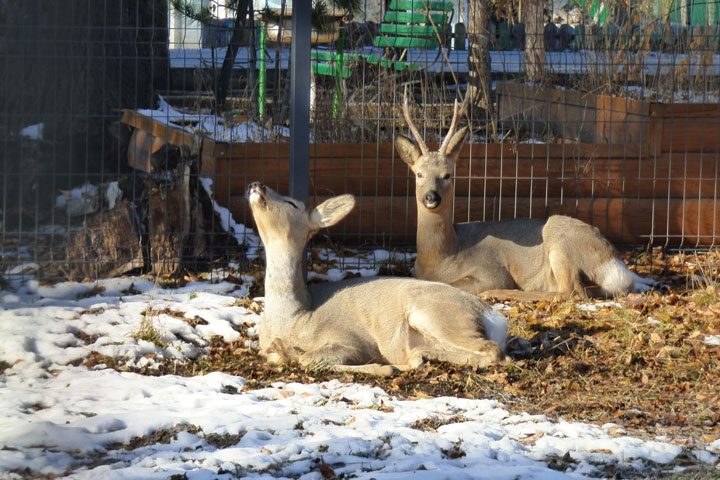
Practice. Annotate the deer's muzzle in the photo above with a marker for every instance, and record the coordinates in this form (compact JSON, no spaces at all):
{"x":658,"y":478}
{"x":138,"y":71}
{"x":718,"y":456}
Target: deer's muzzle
{"x":431,"y":199}
{"x":256,"y":192}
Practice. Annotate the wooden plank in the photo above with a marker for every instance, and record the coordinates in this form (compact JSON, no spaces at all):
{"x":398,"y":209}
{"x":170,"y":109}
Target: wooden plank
{"x":231,"y":151}
{"x":574,"y":115}
{"x":689,"y":127}
{"x":673,"y":222}
{"x":623,"y":221}
{"x":162,"y":130}
{"x":378,"y":220}
{"x":375,"y":170}
{"x":369,"y":114}
{"x":691,"y":176}
{"x":620,"y":120}
{"x":601,"y":118}
{"x":141,"y":147}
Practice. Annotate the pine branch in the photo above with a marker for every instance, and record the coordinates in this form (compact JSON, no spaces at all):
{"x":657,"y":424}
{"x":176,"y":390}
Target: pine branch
{"x":203,"y":14}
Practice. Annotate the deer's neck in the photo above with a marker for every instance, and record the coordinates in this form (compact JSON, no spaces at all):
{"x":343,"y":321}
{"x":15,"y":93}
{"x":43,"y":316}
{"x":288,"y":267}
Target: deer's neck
{"x":436,"y":238}
{"x":286,"y":292}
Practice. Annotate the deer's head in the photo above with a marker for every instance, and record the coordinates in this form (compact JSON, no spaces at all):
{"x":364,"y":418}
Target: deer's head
{"x":286,"y":222}
{"x":433,"y":170}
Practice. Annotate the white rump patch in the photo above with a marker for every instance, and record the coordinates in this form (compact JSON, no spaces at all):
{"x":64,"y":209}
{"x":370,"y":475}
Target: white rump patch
{"x":615,"y":278}
{"x":496,"y":327}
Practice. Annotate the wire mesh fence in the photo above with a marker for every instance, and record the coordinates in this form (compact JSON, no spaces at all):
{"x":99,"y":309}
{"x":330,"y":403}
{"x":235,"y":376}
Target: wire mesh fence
{"x":129,"y":130}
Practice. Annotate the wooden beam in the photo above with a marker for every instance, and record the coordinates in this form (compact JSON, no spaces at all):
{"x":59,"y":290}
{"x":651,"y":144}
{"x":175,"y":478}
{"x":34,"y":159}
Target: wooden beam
{"x":624,"y":221}
{"x":160,"y":129}
{"x":488,"y":171}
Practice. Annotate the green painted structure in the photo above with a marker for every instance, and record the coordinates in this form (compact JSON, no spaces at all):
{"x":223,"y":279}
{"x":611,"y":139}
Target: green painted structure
{"x":697,"y":12}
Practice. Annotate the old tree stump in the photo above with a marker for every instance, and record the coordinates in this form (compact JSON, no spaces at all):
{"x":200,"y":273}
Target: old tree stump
{"x":164,"y":224}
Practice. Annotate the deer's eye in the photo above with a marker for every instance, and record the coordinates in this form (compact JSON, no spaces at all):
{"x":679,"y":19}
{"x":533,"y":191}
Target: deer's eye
{"x":446,"y":177}
{"x":291,"y":204}
{"x":419,"y":175}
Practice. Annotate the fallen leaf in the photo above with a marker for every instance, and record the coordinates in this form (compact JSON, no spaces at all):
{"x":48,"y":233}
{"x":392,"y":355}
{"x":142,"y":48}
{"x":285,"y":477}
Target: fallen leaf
{"x":531,"y":439}
{"x":325,"y":470}
{"x":655,"y":338}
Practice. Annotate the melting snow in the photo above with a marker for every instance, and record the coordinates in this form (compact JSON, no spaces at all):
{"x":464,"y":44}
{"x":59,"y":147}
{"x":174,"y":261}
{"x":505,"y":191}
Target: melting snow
{"x":60,"y":419}
{"x":213,"y":126}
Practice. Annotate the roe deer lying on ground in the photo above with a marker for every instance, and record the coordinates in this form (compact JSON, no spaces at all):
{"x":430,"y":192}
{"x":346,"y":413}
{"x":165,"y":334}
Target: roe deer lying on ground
{"x":559,"y":256}
{"x":368,"y":325}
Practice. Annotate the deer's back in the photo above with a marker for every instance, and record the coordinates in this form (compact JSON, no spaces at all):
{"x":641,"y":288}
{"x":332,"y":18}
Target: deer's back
{"x":387,"y":300}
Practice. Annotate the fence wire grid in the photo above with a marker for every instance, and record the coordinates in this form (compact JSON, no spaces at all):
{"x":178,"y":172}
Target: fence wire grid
{"x":130,"y":129}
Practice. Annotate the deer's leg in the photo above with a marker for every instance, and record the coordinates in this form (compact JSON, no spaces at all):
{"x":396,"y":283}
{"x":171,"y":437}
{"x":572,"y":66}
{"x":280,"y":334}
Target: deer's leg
{"x":348,"y":359}
{"x":566,"y":274}
{"x":275,"y":352}
{"x":377,"y":369}
{"x":457,"y":341}
{"x":522,"y":295}
{"x":487,"y":353}
{"x":460,"y":339}
{"x":499,"y":280}
{"x":334,"y":354}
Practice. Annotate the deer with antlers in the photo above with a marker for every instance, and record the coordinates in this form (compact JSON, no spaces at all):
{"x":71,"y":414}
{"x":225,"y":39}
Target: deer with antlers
{"x":543,"y":258}
{"x":374,"y":326}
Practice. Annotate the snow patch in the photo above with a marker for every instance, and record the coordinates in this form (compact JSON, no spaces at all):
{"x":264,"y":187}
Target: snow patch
{"x":33,"y":132}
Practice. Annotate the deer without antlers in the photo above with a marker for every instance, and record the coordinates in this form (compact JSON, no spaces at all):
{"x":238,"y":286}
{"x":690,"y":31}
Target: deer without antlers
{"x":557,"y":256}
{"x":373,"y":326}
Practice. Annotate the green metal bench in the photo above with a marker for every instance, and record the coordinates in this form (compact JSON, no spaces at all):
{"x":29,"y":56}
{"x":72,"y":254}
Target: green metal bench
{"x":334,"y":62}
{"x":414,"y":24}
{"x":406,"y":24}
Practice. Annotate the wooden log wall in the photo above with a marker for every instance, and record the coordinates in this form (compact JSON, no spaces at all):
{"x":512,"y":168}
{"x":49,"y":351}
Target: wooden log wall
{"x":632,"y":197}
{"x":660,"y":188}
{"x":578,"y":116}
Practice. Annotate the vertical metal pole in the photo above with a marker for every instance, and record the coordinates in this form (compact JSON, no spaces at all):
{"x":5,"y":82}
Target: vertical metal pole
{"x":300,"y":100}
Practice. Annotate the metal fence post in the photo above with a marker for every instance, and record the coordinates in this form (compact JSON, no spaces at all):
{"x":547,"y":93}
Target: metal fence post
{"x":300,"y":100}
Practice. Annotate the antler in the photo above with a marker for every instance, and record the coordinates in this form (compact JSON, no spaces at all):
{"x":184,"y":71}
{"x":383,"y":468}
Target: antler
{"x":413,"y":128}
{"x":454,"y":123}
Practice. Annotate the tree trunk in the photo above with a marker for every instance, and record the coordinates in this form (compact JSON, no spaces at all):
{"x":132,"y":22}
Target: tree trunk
{"x":73,"y":65}
{"x":106,"y":246}
{"x":534,"y":40}
{"x":479,"y":58}
{"x":223,"y":83}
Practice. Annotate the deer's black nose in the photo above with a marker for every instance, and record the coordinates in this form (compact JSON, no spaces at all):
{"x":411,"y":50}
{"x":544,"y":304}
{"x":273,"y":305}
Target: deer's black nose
{"x":431,"y":199}
{"x":255,"y":186}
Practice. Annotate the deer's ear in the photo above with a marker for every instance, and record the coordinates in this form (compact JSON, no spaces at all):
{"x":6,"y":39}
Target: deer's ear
{"x":331,"y":211}
{"x":456,"y":143}
{"x":408,"y":150}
